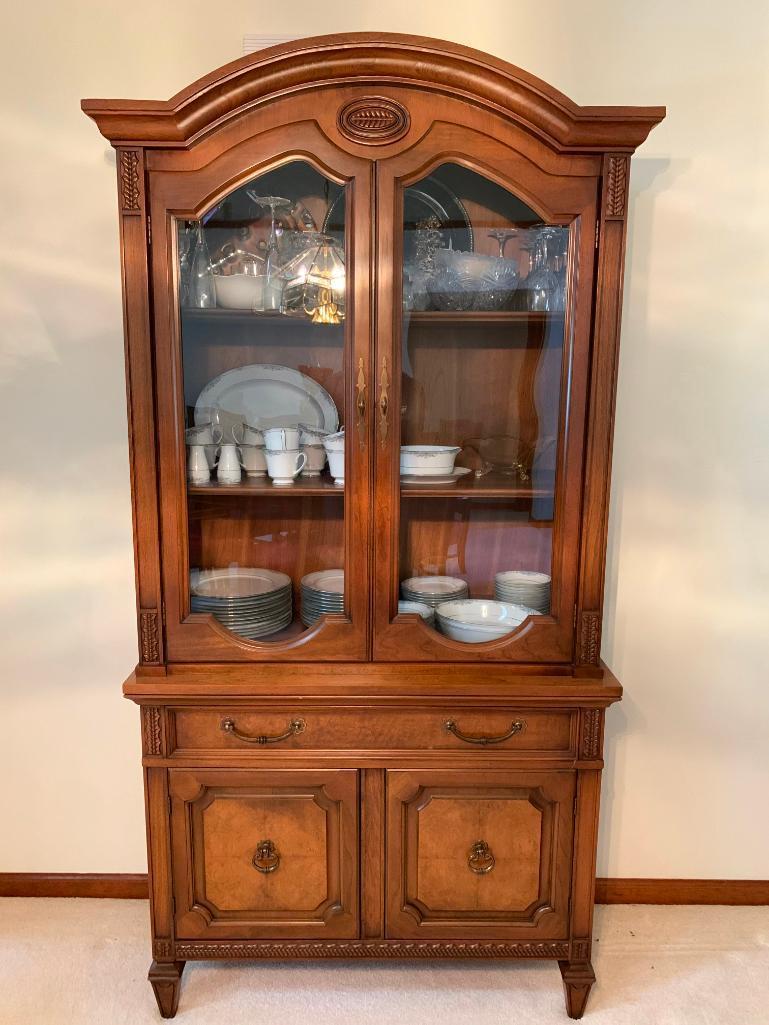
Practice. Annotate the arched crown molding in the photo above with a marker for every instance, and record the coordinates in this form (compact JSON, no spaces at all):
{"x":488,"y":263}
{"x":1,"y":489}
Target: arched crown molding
{"x":372,"y":60}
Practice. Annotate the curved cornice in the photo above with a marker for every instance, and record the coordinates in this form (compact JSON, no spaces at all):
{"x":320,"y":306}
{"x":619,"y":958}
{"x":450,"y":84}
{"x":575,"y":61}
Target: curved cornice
{"x":372,"y":60}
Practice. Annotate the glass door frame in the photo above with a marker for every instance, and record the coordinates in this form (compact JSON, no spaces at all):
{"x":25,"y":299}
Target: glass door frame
{"x":558,"y":199}
{"x":187,"y":193}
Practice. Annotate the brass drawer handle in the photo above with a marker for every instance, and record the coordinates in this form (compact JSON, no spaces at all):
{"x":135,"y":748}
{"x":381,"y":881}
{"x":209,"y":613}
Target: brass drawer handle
{"x":516,"y":727}
{"x":266,"y":859}
{"x":294,"y":727}
{"x":481,"y":860}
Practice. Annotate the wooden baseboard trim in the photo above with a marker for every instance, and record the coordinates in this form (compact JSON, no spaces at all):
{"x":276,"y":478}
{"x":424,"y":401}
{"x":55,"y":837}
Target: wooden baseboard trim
{"x":607,"y":891}
{"x":128,"y":886}
{"x":682,"y":891}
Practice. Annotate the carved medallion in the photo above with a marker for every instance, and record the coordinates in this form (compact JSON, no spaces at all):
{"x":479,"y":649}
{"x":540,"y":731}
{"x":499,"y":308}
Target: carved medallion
{"x":373,"y":120}
{"x":128,"y":171}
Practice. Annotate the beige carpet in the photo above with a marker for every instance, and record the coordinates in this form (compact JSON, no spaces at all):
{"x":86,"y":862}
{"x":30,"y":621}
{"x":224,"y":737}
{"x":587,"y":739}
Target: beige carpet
{"x":84,"y":962}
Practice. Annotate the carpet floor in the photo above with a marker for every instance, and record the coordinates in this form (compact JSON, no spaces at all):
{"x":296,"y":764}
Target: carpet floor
{"x":84,"y":962}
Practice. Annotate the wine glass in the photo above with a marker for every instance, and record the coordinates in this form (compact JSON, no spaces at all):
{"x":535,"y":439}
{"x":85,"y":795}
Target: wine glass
{"x":502,"y":236}
{"x":542,"y":283}
{"x":271,"y":282}
{"x":202,"y":290}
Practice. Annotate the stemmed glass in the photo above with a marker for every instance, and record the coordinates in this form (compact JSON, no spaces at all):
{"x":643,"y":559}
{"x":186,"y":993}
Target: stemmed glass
{"x":502,"y":236}
{"x":542,"y":283}
{"x":271,"y":286}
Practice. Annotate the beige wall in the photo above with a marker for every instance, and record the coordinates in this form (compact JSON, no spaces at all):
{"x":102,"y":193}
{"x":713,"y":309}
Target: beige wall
{"x":687,"y":605}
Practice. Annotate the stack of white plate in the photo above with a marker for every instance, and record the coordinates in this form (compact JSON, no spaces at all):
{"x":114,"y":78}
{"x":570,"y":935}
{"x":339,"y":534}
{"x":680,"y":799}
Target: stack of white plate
{"x":475,"y":620}
{"x":427,"y":612}
{"x":251,"y":602}
{"x":433,"y":591}
{"x":524,"y":587}
{"x":322,"y":592}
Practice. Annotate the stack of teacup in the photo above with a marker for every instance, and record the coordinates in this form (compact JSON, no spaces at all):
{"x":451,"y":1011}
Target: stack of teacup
{"x":334,"y":446}
{"x":311,"y":440}
{"x":285,"y":460}
{"x":250,"y":441}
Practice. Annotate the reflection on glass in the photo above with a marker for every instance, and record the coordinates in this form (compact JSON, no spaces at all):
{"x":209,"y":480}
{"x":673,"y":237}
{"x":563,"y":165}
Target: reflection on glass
{"x":262,"y":307}
{"x":484,"y":287}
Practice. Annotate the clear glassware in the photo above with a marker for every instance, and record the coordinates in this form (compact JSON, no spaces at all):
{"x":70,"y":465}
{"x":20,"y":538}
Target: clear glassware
{"x":502,"y":237}
{"x":202,"y":289}
{"x":273,"y":286}
{"x":542,"y":283}
{"x":185,"y":249}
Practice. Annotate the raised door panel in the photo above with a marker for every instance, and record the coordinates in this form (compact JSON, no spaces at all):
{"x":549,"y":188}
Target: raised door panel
{"x":479,"y":854}
{"x":262,"y":320}
{"x":265,"y":853}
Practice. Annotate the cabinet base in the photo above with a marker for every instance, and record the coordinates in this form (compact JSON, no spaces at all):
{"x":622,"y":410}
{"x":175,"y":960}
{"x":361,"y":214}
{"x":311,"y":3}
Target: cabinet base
{"x":578,"y":978}
{"x":354,"y":949}
{"x":166,"y":981}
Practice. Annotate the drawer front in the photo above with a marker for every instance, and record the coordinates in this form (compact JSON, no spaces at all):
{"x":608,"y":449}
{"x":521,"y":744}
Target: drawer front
{"x":479,"y":854}
{"x":243,"y":729}
{"x":264,"y":853}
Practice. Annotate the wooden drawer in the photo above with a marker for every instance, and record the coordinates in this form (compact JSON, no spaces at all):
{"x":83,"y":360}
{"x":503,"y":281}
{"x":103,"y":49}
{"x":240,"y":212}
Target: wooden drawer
{"x":264,"y":853}
{"x":525,"y":732}
{"x":479,"y":854}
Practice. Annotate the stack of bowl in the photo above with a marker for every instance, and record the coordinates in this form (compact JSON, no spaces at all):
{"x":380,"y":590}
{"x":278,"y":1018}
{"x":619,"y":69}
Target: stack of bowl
{"x":322,"y":592}
{"x":251,"y":602}
{"x":475,"y":620}
{"x":524,"y":587}
{"x":433,"y":591}
{"x":427,"y":612}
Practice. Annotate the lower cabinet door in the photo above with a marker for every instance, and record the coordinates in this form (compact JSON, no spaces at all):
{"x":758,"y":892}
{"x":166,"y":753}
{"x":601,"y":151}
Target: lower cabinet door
{"x":263,"y":853}
{"x":479,"y":854}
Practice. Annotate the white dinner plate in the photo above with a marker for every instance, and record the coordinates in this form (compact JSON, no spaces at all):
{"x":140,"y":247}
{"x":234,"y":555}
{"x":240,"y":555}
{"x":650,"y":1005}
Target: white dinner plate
{"x":237,"y":582}
{"x":266,"y":395}
{"x":329,"y":580}
{"x":444,"y":478}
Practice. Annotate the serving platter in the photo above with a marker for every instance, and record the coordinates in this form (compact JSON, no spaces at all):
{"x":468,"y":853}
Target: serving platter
{"x":266,"y":395}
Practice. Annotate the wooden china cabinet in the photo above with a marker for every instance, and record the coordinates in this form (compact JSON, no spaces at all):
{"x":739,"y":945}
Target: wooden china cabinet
{"x":360,"y":784}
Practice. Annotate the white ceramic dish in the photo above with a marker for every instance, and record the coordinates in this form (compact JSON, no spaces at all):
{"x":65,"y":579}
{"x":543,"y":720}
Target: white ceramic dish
{"x":521,"y":576}
{"x":475,"y":620}
{"x":266,"y":395}
{"x":240,"y":291}
{"x":435,"y":479}
{"x":316,"y":460}
{"x":419,"y":607}
{"x":334,"y":442}
{"x":434,"y":586}
{"x":428,"y":460}
{"x":237,"y":582}
{"x":331,"y":580}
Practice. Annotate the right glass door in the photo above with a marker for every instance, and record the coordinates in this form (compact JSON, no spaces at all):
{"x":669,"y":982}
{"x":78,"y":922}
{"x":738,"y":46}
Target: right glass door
{"x":483,"y":291}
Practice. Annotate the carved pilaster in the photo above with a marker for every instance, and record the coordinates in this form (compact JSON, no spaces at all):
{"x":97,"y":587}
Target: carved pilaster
{"x":149,"y":639}
{"x":616,"y":186}
{"x":589,"y":639}
{"x":130,"y":181}
{"x":163,"y":950}
{"x":580,"y":950}
{"x":152,"y":730}
{"x":590,"y":733}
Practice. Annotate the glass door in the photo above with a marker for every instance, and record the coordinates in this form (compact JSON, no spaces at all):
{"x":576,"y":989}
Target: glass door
{"x":270,"y":442}
{"x":475,"y":453}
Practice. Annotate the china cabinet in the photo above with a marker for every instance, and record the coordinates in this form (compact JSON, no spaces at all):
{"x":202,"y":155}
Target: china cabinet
{"x":371,"y":693}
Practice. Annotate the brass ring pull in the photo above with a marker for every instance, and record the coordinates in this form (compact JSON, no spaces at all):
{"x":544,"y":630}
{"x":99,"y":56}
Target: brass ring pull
{"x":384,"y":401}
{"x":360,"y":403}
{"x":266,"y":859}
{"x":481,"y":860}
{"x":516,"y":727}
{"x":294,"y":727}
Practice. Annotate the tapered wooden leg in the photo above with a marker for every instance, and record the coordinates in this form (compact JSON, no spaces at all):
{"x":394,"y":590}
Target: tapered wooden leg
{"x":578,"y":977}
{"x":166,"y":979}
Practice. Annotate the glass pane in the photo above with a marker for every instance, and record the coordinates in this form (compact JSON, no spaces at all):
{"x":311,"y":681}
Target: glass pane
{"x":484,"y":294}
{"x":262,"y":310}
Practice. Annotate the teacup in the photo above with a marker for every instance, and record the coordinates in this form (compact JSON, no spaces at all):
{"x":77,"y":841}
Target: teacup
{"x":282,"y":439}
{"x":336,"y":466}
{"x":253,"y":461}
{"x":334,"y":442}
{"x":316,"y":460}
{"x":245,"y":434}
{"x":311,"y":435}
{"x":228,"y":464}
{"x":205,"y":434}
{"x":284,"y":465}
{"x":198,"y":470}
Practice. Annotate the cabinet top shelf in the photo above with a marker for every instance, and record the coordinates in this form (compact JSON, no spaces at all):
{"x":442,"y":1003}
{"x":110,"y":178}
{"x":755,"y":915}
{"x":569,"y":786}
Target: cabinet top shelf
{"x":437,"y":318}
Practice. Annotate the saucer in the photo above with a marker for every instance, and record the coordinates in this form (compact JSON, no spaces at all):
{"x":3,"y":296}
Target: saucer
{"x":445,"y":478}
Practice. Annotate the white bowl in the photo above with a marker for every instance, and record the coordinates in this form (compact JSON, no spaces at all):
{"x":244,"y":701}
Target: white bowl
{"x":240,"y":291}
{"x":428,"y":460}
{"x":475,"y":620}
{"x":421,"y":609}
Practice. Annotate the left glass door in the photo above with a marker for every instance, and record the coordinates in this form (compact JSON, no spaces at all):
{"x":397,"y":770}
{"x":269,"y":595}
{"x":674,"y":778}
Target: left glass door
{"x":270,"y":441}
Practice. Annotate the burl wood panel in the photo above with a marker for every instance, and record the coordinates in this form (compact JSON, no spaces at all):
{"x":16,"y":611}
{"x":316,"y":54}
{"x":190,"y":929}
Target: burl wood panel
{"x":435,"y":816}
{"x":219,"y":817}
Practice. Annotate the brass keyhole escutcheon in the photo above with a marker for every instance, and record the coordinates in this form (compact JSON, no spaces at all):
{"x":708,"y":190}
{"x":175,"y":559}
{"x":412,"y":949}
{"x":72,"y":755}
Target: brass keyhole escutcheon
{"x":481,"y":860}
{"x":266,"y":859}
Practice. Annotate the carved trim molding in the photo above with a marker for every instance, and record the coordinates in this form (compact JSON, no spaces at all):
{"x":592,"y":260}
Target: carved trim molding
{"x":163,"y":950}
{"x":130,"y":186}
{"x":358,"y":949}
{"x":616,"y":185}
{"x":589,"y":639}
{"x":152,"y":730}
{"x":580,"y":950}
{"x":373,"y":120}
{"x":149,"y":637}
{"x":590,"y":741}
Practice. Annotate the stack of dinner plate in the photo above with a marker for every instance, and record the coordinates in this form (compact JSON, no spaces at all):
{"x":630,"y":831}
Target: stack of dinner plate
{"x":433,"y":591}
{"x":524,"y":587}
{"x":249,"y":601}
{"x":322,"y":592}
